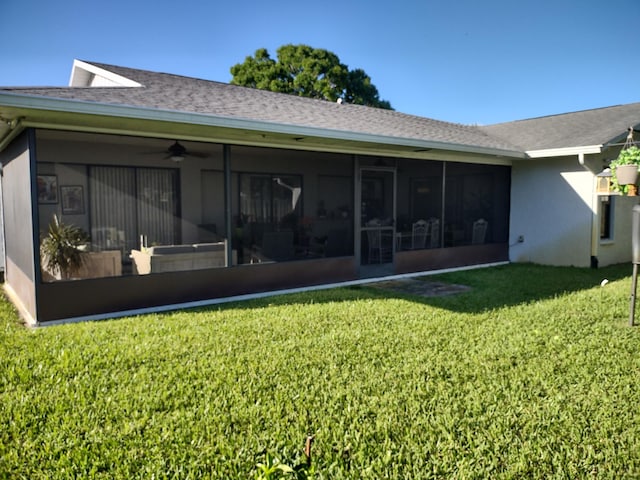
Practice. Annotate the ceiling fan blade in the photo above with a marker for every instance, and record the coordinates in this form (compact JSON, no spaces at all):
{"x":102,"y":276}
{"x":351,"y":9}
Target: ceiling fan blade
{"x":196,"y":154}
{"x":176,"y":150}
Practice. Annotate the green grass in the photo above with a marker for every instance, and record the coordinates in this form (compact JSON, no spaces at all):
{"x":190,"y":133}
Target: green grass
{"x":534,"y":373}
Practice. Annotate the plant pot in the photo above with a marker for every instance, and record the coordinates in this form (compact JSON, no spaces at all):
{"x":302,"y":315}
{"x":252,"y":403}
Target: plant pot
{"x":627,"y":174}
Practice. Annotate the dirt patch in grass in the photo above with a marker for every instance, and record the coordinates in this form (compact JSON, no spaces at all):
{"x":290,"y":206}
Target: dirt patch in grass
{"x":421,"y":288}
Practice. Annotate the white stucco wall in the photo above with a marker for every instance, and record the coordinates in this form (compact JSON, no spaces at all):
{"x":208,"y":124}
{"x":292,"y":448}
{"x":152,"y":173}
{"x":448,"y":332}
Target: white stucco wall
{"x":551,"y":208}
{"x":618,"y":248}
{"x":555,"y":209}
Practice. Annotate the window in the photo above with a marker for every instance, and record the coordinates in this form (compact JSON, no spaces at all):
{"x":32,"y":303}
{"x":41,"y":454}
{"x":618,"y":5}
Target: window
{"x":120,"y":208}
{"x":270,"y":198}
{"x":605,"y":212}
{"x":127,"y":203}
{"x":270,"y":217}
{"x":476,"y":204}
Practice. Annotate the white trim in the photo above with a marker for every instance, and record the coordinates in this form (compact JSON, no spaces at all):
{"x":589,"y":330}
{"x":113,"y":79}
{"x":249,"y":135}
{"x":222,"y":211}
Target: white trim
{"x":254,"y":296}
{"x":600,"y":201}
{"x":79,"y":67}
{"x":565,"y":152}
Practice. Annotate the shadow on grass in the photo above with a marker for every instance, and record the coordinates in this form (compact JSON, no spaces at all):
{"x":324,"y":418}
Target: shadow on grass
{"x":490,"y":288}
{"x":519,"y":284}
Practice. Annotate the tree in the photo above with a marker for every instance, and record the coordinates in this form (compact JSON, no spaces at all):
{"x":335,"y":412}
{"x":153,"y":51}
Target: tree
{"x":307,"y":72}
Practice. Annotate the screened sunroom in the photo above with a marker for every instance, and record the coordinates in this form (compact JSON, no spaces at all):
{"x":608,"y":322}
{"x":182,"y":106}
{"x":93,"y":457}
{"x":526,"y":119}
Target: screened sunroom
{"x":166,"y":227}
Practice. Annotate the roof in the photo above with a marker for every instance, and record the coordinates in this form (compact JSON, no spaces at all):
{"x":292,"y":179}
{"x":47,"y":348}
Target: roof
{"x":589,"y":127}
{"x":175,"y":95}
{"x":168,"y":92}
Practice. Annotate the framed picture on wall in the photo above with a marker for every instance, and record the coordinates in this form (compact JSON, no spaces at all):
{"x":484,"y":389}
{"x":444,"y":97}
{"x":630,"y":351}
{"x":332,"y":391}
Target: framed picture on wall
{"x":72,"y":199}
{"x":47,"y":188}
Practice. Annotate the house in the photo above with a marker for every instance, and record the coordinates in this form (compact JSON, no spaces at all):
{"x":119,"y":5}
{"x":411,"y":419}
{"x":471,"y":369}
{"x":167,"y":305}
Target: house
{"x":193,"y":190}
{"x":555,"y":205}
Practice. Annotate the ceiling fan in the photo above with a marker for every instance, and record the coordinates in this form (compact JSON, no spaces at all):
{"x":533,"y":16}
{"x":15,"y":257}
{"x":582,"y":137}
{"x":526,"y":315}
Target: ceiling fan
{"x":178,"y":152}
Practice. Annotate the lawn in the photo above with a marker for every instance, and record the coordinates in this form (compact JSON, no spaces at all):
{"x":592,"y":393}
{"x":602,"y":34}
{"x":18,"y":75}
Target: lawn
{"x":533,"y":373}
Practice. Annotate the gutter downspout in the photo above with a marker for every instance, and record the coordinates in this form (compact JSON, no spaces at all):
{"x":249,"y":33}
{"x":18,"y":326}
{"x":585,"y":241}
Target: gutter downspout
{"x":594,"y":216}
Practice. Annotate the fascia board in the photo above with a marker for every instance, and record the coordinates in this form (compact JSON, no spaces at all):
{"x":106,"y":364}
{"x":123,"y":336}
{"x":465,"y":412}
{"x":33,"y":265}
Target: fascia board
{"x":36,"y":102}
{"x":565,"y":152}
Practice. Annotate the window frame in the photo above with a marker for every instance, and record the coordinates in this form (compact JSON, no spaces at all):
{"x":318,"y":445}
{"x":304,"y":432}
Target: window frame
{"x":606,"y":218}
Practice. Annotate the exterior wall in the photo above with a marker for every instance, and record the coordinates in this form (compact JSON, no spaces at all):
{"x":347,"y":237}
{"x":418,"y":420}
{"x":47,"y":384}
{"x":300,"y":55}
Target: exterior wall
{"x":551,"y":208}
{"x":618,"y":248}
{"x":20,"y":274}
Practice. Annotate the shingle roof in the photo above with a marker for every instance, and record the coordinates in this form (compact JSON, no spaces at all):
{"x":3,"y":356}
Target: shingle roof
{"x":588,"y":127}
{"x":168,"y":92}
{"x":184,"y":94}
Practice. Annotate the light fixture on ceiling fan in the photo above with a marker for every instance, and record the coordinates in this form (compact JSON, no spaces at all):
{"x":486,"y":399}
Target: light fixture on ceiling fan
{"x":176,"y":152}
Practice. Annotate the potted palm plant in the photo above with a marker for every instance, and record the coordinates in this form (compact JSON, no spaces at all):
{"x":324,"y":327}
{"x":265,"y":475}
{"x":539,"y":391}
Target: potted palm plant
{"x":62,"y":248}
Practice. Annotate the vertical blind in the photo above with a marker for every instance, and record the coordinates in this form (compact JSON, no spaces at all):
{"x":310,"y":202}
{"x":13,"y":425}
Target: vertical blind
{"x":157,"y":206}
{"x":128,"y":202}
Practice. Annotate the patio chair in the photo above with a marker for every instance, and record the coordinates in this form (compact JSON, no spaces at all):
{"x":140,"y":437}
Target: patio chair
{"x":380,"y":251}
{"x":434,"y":232}
{"x":419,"y":232}
{"x":479,"y":231}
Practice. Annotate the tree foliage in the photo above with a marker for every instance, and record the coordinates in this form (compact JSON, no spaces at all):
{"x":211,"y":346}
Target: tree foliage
{"x":307,"y":72}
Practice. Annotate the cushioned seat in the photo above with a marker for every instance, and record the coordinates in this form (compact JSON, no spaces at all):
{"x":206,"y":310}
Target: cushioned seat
{"x":173,"y":258}
{"x":170,"y":249}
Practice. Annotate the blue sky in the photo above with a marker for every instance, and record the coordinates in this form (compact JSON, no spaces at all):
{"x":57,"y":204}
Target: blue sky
{"x":466,"y":61}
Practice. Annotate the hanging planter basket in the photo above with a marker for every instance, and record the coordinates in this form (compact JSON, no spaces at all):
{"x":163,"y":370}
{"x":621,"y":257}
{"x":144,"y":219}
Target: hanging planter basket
{"x":624,"y":169}
{"x":627,"y":174}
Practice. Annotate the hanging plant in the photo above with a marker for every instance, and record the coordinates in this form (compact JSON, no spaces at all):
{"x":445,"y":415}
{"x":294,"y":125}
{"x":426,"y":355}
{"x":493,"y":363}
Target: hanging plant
{"x":624,"y":169}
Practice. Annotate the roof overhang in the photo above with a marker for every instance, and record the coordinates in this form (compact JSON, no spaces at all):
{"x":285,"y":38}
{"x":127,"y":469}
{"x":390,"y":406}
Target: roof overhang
{"x":55,"y":113}
{"x":616,"y":141}
{"x":565,"y":152}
